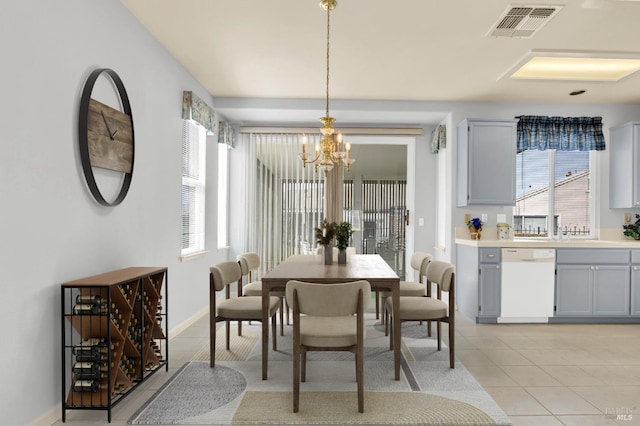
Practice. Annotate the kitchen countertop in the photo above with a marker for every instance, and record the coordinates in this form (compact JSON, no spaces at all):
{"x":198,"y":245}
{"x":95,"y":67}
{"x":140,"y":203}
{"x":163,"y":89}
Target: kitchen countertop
{"x":608,"y":238}
{"x":546,"y":243}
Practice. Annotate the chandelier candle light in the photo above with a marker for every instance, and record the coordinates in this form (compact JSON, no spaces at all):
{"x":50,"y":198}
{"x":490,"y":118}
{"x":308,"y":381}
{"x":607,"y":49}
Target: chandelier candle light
{"x":329,"y":151}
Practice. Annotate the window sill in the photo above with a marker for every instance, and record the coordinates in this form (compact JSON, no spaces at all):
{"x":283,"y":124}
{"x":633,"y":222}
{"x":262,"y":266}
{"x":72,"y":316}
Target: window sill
{"x":192,"y":256}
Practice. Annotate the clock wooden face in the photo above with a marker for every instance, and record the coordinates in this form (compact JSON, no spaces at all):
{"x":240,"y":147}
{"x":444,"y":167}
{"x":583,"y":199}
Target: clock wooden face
{"x":110,"y":138}
{"x":106,"y":137}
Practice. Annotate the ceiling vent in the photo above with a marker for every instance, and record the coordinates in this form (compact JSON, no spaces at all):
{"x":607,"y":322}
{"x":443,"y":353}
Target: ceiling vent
{"x":523,"y":21}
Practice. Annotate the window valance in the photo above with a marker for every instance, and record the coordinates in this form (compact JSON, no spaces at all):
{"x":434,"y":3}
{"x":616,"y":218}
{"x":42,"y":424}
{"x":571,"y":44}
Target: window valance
{"x":560,"y":133}
{"x":226,"y":134}
{"x":194,"y":108}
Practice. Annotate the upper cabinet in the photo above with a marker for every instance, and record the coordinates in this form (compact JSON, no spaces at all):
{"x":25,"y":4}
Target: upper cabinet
{"x":624,"y":165}
{"x":486,"y":162}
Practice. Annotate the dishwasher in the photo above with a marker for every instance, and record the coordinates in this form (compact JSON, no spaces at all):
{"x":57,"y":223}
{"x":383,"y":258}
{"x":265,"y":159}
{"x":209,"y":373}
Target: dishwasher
{"x":527,"y":285}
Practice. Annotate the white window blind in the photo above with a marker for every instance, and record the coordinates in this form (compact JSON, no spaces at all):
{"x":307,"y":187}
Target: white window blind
{"x":193,"y":186}
{"x":563,"y":211}
{"x":223,"y":194}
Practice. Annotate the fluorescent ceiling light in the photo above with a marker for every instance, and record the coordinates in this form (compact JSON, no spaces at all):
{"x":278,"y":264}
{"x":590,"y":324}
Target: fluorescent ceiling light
{"x":582,"y":66}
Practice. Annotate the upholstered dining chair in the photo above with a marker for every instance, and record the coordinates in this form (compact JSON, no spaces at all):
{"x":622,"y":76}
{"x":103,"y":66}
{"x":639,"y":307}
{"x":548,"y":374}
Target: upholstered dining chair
{"x":419,"y":261}
{"x":327,"y":317}
{"x":240,"y":308}
{"x":249,"y":263}
{"x":429,"y":308}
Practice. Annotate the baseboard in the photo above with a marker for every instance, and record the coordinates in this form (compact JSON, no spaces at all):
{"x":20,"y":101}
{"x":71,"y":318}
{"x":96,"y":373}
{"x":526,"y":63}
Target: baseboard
{"x":175,"y":331}
{"x":48,"y":418}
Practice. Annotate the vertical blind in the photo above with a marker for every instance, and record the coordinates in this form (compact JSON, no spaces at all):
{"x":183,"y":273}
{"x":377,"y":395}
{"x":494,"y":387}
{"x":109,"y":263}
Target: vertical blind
{"x":288,"y":198}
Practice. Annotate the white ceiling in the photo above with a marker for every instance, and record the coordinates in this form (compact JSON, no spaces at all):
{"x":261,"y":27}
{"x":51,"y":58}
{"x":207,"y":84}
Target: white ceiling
{"x":424,"y":50}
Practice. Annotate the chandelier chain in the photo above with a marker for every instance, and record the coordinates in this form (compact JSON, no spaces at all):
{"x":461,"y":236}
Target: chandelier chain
{"x":328,"y":44}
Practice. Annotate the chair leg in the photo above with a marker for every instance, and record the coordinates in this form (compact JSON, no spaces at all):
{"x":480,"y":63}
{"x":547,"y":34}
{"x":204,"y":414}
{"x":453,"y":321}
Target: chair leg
{"x":428,"y":328}
{"x":389,"y":322}
{"x":303,"y":368}
{"x":360,"y":377}
{"x":274,"y":331}
{"x":281,"y":317}
{"x":439,"y":336}
{"x":452,"y":345}
{"x":239,"y":328}
{"x":385,"y":320}
{"x":296,"y":377}
{"x":287,"y":311}
{"x":212,"y":342}
{"x":377,"y":304}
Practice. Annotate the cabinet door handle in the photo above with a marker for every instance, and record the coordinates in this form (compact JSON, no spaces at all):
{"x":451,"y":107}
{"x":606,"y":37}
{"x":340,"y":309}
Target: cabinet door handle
{"x":491,"y":255}
{"x":498,"y":267}
{"x":635,"y":268}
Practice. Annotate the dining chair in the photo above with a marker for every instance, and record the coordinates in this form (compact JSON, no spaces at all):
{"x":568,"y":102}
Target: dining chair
{"x":327,"y":317}
{"x":249,"y":263}
{"x":240,"y":308}
{"x":419,"y":261}
{"x":428,"y":308}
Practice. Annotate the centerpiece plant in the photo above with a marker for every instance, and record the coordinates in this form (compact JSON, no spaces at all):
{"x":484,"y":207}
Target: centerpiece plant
{"x":343,"y":236}
{"x":324,"y":237}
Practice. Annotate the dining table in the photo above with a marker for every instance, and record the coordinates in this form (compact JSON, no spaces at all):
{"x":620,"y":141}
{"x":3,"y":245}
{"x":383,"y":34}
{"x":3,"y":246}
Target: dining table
{"x":310,"y":268}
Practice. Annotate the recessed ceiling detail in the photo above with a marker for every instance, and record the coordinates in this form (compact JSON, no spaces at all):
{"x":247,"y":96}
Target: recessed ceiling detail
{"x":578,"y":66}
{"x":523,"y":21}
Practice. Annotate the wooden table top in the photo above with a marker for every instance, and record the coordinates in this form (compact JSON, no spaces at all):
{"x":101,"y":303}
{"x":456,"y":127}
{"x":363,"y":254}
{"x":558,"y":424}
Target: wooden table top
{"x":370,"y":267}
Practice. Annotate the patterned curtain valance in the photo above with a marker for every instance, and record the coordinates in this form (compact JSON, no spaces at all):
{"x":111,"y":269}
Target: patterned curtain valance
{"x":226,"y":134}
{"x":561,"y":133}
{"x":194,"y":108}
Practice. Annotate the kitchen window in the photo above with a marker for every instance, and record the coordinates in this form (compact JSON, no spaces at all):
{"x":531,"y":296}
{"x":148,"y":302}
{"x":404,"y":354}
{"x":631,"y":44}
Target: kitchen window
{"x":553,"y":194}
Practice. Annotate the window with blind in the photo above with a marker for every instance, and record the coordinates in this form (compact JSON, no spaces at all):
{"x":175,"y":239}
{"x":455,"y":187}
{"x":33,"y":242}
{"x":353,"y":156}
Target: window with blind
{"x":223,"y":195}
{"x":193,"y":186}
{"x":553,"y":194}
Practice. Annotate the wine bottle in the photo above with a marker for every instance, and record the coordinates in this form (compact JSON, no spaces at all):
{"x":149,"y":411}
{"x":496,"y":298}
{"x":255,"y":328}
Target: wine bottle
{"x":89,"y":299}
{"x":89,"y":309}
{"x":88,"y":386}
{"x":88,"y":368}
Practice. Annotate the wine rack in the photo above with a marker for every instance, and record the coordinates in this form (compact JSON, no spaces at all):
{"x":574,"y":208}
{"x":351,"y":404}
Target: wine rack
{"x":114,"y":336}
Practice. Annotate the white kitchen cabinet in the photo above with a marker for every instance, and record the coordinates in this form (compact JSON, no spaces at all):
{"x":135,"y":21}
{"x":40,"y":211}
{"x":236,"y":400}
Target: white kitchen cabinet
{"x":624,"y":165}
{"x":486,"y":173}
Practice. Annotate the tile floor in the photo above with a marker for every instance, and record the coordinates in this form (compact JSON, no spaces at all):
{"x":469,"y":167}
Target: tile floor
{"x":539,"y":374}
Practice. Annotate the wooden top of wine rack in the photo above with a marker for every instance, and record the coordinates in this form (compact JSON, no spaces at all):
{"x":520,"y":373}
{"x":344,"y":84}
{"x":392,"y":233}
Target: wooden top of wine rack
{"x":116,"y":277}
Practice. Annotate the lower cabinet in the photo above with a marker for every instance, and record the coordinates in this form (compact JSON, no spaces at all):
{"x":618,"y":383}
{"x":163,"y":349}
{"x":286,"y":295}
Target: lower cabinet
{"x":635,"y":282}
{"x":478,"y":282}
{"x":593,"y":282}
{"x":489,"y":289}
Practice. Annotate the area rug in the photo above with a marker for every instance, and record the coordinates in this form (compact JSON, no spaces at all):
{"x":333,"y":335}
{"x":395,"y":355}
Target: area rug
{"x":232,"y":393}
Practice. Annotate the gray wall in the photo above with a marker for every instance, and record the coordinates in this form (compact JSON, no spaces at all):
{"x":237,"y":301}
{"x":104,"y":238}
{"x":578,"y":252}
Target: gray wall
{"x":52,"y":230}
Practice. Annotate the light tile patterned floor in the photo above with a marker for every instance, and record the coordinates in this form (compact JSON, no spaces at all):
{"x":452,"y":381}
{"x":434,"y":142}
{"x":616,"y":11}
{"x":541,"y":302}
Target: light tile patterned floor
{"x":539,"y":374}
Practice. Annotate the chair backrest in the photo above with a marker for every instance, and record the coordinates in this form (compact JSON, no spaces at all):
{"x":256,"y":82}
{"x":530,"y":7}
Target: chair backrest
{"x":441,"y":273}
{"x":249,"y":262}
{"x":328,"y":300}
{"x":225,"y":273}
{"x":419,"y":262}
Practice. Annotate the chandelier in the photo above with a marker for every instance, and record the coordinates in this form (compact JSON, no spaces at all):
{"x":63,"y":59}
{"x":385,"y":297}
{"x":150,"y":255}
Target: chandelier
{"x":331,"y":150}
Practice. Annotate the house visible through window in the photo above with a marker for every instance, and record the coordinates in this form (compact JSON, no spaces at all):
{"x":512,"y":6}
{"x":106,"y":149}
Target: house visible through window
{"x":563,"y":211}
{"x":193,"y":186}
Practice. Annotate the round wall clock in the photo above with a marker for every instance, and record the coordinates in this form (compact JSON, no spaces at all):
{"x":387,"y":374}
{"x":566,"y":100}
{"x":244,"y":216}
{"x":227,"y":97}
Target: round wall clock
{"x":106,"y":136}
